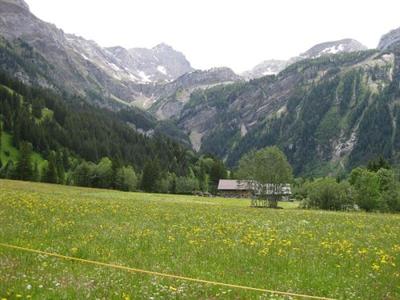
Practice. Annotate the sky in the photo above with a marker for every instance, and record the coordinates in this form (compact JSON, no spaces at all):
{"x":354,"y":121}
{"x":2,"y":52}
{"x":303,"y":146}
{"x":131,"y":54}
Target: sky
{"x":213,"y":33}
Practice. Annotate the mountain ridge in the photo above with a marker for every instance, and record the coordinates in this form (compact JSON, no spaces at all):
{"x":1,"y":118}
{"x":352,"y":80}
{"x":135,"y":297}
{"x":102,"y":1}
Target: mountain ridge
{"x":273,"y":66}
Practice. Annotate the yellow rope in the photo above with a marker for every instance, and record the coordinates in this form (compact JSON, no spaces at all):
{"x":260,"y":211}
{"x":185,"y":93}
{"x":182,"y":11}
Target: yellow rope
{"x":163,"y":274}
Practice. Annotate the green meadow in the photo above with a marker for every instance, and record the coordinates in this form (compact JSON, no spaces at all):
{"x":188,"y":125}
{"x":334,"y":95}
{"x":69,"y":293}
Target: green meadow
{"x":328,"y":254}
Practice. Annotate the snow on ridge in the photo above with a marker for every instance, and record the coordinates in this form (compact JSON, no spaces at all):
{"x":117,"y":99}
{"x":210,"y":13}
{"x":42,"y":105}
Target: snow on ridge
{"x":162,"y":69}
{"x":133,"y":77}
{"x":334,"y":49}
{"x":269,"y":71}
{"x":115,"y":67}
{"x":144,"y":77}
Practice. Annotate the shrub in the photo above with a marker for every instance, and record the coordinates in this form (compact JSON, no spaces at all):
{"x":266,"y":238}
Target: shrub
{"x":186,"y":185}
{"x":390,"y":190}
{"x":366,"y":186}
{"x":327,"y":194}
{"x":126,"y":179}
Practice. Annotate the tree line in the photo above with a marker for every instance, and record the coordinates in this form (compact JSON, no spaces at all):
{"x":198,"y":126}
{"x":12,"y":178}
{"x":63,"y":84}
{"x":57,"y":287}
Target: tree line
{"x":375,"y":187}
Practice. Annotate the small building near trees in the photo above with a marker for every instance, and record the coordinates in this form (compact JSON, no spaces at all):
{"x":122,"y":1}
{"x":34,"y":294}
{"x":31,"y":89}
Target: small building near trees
{"x":234,"y":188}
{"x":231,"y":188}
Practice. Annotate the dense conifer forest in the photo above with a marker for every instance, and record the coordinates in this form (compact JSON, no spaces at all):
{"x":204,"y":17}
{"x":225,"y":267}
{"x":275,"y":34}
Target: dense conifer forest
{"x":90,"y":146}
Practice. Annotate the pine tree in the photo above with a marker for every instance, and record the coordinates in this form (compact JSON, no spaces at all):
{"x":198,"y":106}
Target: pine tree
{"x":60,"y":168}
{"x":23,"y":169}
{"x":65,"y":159}
{"x":35,"y":172}
{"x":217,"y":172}
{"x":115,"y":179}
{"x":8,"y":170}
{"x":1,"y":133}
{"x":151,"y":175}
{"x":16,"y":133}
{"x":50,"y":174}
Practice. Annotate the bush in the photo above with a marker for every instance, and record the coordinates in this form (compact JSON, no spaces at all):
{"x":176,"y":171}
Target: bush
{"x":366,"y":186}
{"x":390,"y":190}
{"x":327,"y":194}
{"x":126,"y":179}
{"x":186,"y":185}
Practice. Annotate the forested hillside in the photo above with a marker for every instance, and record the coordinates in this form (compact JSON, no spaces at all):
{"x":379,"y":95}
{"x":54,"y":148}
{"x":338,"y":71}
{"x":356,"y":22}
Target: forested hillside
{"x":328,"y":114}
{"x":83,"y":143}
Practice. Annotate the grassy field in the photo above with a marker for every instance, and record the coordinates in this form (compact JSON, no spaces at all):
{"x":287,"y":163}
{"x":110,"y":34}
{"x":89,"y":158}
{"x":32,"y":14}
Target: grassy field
{"x":339,"y":255}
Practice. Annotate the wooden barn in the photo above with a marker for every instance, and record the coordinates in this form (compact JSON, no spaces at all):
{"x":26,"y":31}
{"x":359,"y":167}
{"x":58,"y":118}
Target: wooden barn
{"x":243,"y":189}
{"x":234,"y":188}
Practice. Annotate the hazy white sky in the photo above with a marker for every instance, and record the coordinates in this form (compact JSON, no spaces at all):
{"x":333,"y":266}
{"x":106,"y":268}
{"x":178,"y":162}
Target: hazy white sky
{"x":234,"y":33}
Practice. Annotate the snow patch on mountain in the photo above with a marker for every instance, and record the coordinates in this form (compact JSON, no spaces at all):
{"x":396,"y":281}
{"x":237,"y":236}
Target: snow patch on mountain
{"x":144,"y":76}
{"x":162,"y":69}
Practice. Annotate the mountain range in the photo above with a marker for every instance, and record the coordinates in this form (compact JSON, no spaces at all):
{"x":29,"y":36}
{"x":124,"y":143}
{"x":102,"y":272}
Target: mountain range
{"x":330,"y":108}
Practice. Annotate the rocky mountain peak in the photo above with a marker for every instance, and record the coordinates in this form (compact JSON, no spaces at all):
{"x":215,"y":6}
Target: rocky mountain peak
{"x":333,"y":47}
{"x":390,"y":40}
{"x":162,"y":47}
{"x":210,"y":76}
{"x":160,"y":63}
{"x":267,"y":67}
{"x":20,"y":3}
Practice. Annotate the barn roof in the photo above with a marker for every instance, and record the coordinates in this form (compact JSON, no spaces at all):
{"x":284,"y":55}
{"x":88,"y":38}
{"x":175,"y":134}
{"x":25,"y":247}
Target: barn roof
{"x":244,"y":185}
{"x":233,"y":185}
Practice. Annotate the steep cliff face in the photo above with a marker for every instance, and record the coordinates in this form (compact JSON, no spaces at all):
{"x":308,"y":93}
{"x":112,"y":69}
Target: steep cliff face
{"x":173,"y":96}
{"x":327,"y":113}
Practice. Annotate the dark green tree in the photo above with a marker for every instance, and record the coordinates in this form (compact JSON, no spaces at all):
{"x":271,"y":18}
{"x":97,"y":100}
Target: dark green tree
{"x":378,"y":163}
{"x":60,"y":167}
{"x":24,"y":168}
{"x":50,"y":174}
{"x":217,"y":172}
{"x":82,"y":174}
{"x":1,"y":133}
{"x":151,"y":175}
{"x":35,"y":172}
{"x":37,"y":106}
{"x":8,"y":170}
{"x":366,"y":185}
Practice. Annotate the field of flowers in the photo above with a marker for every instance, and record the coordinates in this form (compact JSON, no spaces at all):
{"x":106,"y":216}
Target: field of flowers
{"x":338,"y":255}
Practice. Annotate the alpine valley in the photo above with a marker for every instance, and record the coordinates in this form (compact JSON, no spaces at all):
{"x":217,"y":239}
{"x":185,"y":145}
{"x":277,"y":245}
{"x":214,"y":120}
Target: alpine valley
{"x":331,"y":108}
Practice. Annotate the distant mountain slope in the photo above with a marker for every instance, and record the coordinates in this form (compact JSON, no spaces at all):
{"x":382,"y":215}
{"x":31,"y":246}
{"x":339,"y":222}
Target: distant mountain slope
{"x":272,"y":67}
{"x":171,"y":98}
{"x":390,"y":41}
{"x":334,"y":47}
{"x":267,"y":67}
{"x":328,"y":114}
{"x":79,"y":65}
{"x":161,"y":63}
